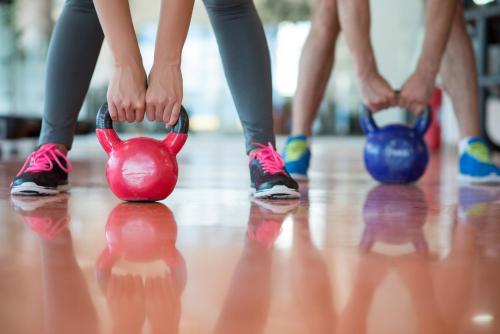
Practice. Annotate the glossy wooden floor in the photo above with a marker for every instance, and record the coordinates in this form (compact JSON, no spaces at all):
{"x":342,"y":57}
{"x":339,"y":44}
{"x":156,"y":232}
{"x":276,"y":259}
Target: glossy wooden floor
{"x":351,"y":257}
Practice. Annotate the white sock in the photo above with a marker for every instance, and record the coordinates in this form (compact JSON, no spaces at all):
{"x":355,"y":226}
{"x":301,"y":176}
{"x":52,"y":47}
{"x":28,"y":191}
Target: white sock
{"x":463,"y":144}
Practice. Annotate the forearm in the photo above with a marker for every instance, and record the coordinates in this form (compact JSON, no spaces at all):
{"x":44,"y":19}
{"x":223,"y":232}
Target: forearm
{"x":116,"y":22}
{"x":355,"y":21}
{"x":438,"y":24}
{"x":175,"y":17}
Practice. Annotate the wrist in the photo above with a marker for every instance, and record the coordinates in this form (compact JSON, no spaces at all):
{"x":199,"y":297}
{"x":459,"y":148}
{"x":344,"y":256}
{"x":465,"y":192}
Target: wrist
{"x":128,"y":60}
{"x":367,"y":68}
{"x":167,"y":58}
{"x":161,"y":65}
{"x":427,"y":68}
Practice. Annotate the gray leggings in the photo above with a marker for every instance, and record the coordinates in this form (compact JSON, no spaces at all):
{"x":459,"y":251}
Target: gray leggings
{"x":77,"y":40}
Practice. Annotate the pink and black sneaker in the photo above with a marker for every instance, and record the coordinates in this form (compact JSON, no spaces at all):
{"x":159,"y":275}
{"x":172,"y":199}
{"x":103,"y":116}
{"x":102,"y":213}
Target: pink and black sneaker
{"x":269,"y":178}
{"x":45,"y":172}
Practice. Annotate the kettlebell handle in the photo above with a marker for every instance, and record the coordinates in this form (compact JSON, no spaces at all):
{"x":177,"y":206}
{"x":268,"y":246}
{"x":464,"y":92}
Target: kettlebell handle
{"x":368,"y":124}
{"x":104,"y":120}
{"x":108,"y":138}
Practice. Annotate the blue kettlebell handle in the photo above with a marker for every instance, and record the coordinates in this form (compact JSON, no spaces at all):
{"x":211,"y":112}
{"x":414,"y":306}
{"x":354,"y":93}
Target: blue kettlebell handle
{"x":368,"y":124}
{"x":367,"y":121}
{"x":424,"y":120}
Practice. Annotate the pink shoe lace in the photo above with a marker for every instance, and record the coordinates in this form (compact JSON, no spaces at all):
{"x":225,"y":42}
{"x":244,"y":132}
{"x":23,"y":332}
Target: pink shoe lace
{"x":43,"y":158}
{"x":265,"y":233}
{"x":270,"y":160}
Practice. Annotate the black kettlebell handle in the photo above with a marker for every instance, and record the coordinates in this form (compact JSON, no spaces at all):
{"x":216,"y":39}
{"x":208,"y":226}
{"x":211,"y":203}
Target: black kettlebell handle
{"x":422,"y":123}
{"x":104,"y":121}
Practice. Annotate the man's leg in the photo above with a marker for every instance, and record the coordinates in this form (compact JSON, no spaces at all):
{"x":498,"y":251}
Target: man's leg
{"x":458,"y":70}
{"x":316,"y":65}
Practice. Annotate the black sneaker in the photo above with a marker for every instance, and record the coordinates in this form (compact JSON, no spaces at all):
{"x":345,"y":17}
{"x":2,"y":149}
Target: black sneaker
{"x":45,"y":172}
{"x":269,"y":178}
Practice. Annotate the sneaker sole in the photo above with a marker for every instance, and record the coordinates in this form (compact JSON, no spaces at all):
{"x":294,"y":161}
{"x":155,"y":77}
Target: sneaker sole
{"x":32,"y":189}
{"x":492,"y":178}
{"x":276,"y":192}
{"x":300,"y":177}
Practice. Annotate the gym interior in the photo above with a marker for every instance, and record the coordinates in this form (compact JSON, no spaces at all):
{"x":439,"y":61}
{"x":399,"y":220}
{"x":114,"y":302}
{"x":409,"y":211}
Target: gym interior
{"x":358,"y":250}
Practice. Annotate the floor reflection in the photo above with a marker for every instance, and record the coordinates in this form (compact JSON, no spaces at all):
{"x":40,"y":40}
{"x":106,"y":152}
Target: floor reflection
{"x":467,"y":279}
{"x":311,"y":281}
{"x":246,"y":306}
{"x":67,"y":304}
{"x":394,"y":216}
{"x":441,"y":291}
{"x":414,"y":265}
{"x":142,"y":233}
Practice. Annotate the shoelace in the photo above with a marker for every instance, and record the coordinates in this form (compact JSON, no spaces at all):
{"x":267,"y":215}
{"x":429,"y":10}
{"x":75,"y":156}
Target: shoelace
{"x":270,"y":160}
{"x":43,"y":158}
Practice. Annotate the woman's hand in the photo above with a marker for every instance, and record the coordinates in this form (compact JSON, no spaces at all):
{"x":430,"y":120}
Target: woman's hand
{"x":164,"y":94}
{"x":127,"y":92}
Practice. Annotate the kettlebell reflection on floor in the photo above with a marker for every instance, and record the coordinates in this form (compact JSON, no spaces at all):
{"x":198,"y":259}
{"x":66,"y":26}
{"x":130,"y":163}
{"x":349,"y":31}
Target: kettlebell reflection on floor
{"x":395,"y":215}
{"x":438,"y":282}
{"x":393,"y":241}
{"x":144,"y":235}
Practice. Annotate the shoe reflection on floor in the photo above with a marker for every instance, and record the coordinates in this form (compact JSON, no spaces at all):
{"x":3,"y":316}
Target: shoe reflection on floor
{"x":246,"y":306}
{"x":449,"y":281}
{"x":311,"y":281}
{"x":466,"y":305}
{"x":68,"y":307}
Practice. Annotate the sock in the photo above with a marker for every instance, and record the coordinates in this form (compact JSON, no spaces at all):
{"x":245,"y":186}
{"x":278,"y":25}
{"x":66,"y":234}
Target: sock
{"x":475,"y":147}
{"x":295,"y":147}
{"x":299,"y":137}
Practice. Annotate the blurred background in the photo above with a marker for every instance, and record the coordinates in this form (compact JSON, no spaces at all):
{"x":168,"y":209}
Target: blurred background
{"x":397,"y":33}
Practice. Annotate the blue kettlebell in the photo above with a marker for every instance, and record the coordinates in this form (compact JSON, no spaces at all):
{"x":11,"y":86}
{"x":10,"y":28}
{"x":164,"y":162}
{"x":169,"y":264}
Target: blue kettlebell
{"x":397,"y":153}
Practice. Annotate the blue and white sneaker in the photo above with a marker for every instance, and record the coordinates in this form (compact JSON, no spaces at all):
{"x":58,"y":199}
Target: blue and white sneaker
{"x":475,"y":164}
{"x":297,"y":156}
